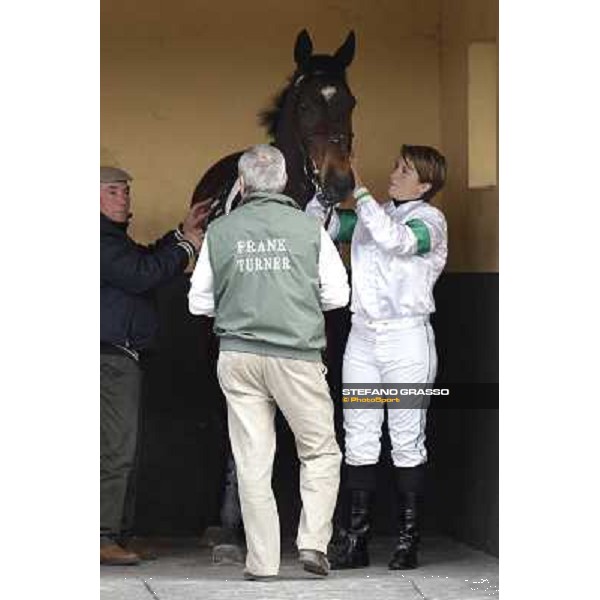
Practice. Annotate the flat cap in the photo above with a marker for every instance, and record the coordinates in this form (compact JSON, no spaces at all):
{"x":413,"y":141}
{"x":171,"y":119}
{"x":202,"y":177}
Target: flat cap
{"x":113,"y":174}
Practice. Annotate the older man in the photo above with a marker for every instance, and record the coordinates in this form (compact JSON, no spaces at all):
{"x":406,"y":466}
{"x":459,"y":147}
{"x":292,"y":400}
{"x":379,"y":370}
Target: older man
{"x":129,"y":274}
{"x":266,"y":272}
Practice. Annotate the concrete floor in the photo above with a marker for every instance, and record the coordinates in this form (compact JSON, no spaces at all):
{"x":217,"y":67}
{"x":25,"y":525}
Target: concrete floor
{"x":184,"y":570}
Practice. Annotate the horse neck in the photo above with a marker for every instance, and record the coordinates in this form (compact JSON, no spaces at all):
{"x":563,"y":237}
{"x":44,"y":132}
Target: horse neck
{"x":298,"y":186}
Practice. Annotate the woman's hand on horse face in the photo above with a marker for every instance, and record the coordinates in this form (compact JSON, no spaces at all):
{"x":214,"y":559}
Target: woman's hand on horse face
{"x":358,"y":182}
{"x":196,"y":217}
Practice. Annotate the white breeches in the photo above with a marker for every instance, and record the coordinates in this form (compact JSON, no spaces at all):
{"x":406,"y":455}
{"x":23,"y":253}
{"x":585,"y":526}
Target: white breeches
{"x":386,"y":352}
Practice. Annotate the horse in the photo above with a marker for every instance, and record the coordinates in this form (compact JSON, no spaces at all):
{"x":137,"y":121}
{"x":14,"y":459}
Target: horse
{"x":310,"y":122}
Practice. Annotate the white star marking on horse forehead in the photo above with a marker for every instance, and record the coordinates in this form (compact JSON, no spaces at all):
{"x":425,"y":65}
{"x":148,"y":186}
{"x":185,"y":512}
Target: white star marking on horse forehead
{"x":328,"y":92}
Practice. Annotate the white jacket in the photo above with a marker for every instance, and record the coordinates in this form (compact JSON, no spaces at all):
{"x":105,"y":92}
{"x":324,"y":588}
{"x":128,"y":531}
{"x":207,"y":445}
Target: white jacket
{"x":397,"y":255}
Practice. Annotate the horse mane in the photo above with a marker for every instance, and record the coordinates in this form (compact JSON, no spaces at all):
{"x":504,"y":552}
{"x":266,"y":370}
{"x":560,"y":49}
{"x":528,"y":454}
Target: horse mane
{"x":269,"y":117}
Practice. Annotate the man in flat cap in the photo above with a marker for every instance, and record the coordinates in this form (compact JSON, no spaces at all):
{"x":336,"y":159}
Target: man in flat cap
{"x":129,"y":274}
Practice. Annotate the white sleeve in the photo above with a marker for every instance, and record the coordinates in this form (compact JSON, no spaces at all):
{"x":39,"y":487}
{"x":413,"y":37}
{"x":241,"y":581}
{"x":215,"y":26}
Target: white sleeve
{"x":335,"y":291}
{"x":201,"y":295}
{"x":419,"y":236}
{"x":315,"y":209}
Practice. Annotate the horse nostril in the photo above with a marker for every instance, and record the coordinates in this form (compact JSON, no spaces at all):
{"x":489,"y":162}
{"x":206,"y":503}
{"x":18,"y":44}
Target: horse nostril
{"x":337,"y":185}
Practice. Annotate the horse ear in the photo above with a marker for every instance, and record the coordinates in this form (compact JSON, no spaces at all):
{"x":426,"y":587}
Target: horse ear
{"x":345,"y":52}
{"x":303,"y":49}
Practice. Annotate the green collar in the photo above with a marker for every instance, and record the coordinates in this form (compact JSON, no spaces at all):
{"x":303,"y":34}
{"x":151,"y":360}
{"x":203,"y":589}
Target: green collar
{"x":267,"y":197}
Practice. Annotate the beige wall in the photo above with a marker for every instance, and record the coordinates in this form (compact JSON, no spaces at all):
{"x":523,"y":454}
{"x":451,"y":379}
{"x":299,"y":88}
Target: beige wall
{"x":472,"y":213}
{"x":183,"y":80}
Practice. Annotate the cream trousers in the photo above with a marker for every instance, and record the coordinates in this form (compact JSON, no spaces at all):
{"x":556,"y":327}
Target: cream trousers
{"x":253,"y":386}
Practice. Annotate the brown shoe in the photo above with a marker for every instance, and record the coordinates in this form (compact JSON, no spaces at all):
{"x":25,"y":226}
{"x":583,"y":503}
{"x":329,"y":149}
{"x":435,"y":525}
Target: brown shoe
{"x":141,"y":548}
{"x":113,"y":554}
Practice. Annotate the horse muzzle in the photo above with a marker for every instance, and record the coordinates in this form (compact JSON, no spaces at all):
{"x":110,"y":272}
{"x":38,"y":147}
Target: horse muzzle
{"x":337,"y":187}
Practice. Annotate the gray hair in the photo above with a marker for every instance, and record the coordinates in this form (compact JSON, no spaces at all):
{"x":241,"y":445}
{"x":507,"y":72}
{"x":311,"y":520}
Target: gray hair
{"x":263,"y":169}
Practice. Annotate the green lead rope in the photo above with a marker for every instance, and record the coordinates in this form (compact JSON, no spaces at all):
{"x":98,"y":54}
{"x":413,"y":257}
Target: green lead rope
{"x":348,"y":220}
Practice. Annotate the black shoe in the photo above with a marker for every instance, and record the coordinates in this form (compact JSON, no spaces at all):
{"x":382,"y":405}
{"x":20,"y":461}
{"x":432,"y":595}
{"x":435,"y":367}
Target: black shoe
{"x":349,"y":551}
{"x":314,"y":561}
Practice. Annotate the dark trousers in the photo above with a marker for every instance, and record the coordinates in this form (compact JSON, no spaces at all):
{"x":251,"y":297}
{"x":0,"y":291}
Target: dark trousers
{"x":120,"y":388}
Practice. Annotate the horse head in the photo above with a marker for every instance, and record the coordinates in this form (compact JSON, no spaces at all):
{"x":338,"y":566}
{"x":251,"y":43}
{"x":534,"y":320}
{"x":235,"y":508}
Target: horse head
{"x":312,"y":123}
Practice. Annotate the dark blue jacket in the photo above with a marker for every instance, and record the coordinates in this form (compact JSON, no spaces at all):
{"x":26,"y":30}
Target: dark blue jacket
{"x":129,"y":275}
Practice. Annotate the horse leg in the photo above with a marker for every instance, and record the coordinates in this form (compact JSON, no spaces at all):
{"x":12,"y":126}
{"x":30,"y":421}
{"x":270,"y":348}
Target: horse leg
{"x":337,"y":324}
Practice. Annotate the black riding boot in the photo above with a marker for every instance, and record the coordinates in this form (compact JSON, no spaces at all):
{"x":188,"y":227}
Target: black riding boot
{"x":409,"y":483}
{"x":349,"y":550}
